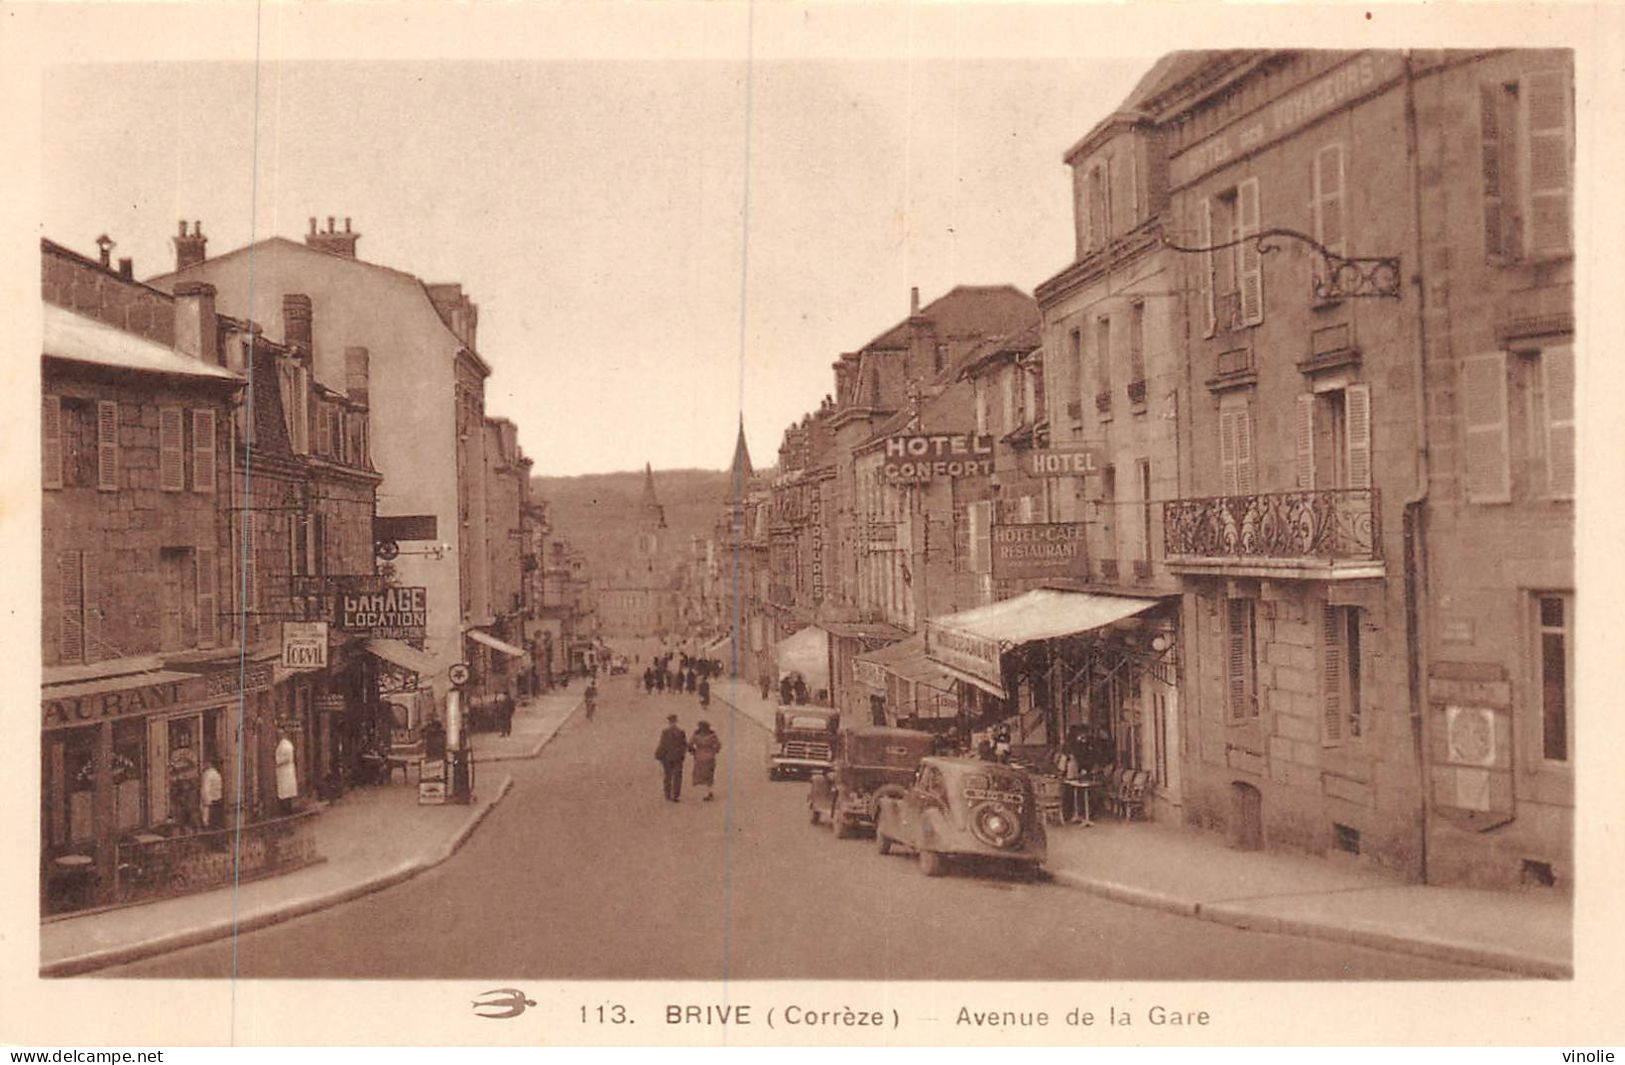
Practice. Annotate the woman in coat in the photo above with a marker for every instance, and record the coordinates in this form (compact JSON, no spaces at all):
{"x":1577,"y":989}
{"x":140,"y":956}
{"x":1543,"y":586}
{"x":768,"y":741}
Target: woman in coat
{"x":705,"y":746}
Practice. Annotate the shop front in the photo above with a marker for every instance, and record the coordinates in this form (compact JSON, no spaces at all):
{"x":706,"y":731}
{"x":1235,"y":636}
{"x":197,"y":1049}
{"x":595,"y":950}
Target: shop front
{"x":123,"y":765}
{"x":1056,"y":673}
{"x":495,"y":666}
{"x":907,"y":689}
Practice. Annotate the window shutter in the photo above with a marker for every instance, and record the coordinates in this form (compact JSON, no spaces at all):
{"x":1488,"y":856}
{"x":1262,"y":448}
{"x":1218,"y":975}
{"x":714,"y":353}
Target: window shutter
{"x":51,"y":442}
{"x":1025,"y":511}
{"x":1549,"y":165}
{"x":1490,"y":140}
{"x":1250,"y":266}
{"x":1484,"y":416}
{"x":70,"y":580}
{"x":1557,"y":381}
{"x":981,"y":534}
{"x":1236,"y":657}
{"x":324,"y":432}
{"x":1304,"y":437}
{"x":107,"y":445}
{"x":91,"y":585}
{"x":1205,"y":281}
{"x":1331,"y":676}
{"x":1328,"y":197}
{"x":203,"y":451}
{"x":1245,"y":483}
{"x":318,"y":544}
{"x":1227,"y":452}
{"x":171,"y":444}
{"x":1136,"y":343}
{"x":250,"y":575}
{"x":1357,"y":423}
{"x":208,"y":610}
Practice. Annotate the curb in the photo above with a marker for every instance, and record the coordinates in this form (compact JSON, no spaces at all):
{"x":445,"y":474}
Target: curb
{"x":192,"y":937}
{"x":536,"y":750}
{"x":1128,"y":894}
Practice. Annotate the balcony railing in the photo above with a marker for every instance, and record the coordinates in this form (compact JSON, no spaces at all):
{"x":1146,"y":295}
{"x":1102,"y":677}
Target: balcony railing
{"x":1136,"y":393}
{"x":1340,"y":524}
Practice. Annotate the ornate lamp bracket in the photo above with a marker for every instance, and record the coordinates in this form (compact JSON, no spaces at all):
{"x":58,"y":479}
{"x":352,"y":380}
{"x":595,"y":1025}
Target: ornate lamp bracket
{"x":1341,"y":276}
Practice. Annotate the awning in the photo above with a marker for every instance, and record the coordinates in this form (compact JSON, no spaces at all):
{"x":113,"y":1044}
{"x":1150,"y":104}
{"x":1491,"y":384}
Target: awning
{"x":481,"y":636}
{"x":970,"y":644}
{"x":806,"y":652}
{"x":406,"y":656}
{"x":907,"y":661}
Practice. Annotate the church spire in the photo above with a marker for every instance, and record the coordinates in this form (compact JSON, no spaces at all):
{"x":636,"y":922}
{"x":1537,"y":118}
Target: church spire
{"x":653,"y":513}
{"x":741,"y":471}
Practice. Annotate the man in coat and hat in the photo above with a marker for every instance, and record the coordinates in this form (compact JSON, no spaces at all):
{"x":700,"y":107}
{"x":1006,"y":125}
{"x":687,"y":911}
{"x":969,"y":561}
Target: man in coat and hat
{"x":670,"y":753}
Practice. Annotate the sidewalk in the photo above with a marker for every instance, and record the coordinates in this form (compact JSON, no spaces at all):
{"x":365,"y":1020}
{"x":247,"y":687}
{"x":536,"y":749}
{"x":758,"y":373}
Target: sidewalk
{"x":1194,"y":873}
{"x":358,"y":859}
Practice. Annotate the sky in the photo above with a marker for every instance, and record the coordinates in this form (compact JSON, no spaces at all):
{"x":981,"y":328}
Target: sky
{"x":654,"y":245}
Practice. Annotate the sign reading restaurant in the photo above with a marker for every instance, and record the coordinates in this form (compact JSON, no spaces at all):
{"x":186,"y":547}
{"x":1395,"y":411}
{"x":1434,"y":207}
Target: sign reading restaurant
{"x":912,"y":457}
{"x":1054,"y":549}
{"x":167,"y":694}
{"x":974,"y":655}
{"x":392,"y":614}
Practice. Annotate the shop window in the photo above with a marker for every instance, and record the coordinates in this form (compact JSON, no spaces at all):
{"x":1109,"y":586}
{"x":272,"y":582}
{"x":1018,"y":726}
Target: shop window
{"x":1341,"y":674}
{"x":1527,"y":146}
{"x":78,"y":820}
{"x":1554,"y":670}
{"x":1241,"y":659}
{"x":129,"y":775}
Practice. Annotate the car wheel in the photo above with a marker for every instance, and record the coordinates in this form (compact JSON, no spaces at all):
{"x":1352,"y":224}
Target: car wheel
{"x":882,"y":841}
{"x":932,"y":863}
{"x":844,"y":828}
{"x":813,"y":810}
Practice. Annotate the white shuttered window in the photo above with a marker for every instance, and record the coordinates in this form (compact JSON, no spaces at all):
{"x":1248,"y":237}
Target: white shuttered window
{"x":107,"y":445}
{"x":1249,"y":263}
{"x":171,"y":449}
{"x":1484,"y":417}
{"x":203,"y":451}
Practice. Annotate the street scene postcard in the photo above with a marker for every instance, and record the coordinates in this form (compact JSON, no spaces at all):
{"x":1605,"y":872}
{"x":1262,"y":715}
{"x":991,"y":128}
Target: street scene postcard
{"x":871,"y":524}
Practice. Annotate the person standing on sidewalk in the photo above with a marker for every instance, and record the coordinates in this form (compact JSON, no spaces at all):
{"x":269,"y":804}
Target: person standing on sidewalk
{"x":211,"y":790}
{"x":671,"y":753}
{"x":287,"y":779}
{"x":705,"y":746}
{"x":704,"y":688}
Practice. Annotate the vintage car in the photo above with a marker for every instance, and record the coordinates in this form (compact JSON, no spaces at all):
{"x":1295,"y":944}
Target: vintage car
{"x":803,"y":740}
{"x":870,"y":761}
{"x":961,"y":807}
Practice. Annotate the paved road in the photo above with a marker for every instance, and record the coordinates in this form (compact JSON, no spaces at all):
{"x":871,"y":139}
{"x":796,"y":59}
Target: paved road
{"x":585,"y":872}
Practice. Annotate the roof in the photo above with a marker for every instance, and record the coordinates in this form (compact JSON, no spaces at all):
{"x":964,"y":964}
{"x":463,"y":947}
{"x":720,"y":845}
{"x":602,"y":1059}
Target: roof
{"x":967,"y":310}
{"x":1043,"y":614}
{"x":1019,"y":343}
{"x":863,"y":630}
{"x":76,"y":338}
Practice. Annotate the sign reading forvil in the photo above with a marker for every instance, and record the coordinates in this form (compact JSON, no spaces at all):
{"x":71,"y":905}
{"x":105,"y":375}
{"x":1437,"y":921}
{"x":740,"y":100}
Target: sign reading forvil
{"x":914,"y":457}
{"x":1055,"y":549}
{"x":1060,"y":462}
{"x":975,"y":656}
{"x":304,"y":645}
{"x":392,"y":614}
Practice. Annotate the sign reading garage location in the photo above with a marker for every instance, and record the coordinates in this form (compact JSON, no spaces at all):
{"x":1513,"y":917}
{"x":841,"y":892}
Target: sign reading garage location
{"x":914,"y":457}
{"x":1055,"y":549}
{"x":392,"y":614}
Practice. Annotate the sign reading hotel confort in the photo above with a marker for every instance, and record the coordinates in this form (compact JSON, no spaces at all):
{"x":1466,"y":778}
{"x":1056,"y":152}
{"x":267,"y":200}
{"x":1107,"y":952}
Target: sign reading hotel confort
{"x":392,"y":614}
{"x":914,"y":457}
{"x":1048,"y":550}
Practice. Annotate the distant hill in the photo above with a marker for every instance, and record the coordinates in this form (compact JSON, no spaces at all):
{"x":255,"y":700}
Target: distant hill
{"x":598,"y":513}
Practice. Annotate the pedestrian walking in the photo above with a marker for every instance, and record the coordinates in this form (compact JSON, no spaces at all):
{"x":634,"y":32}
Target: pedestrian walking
{"x":287,"y":776}
{"x":505,"y":716}
{"x":688,"y":680}
{"x":704,"y":688}
{"x":767,"y":687}
{"x":591,"y":698}
{"x":705,"y":746}
{"x":671,"y":753}
{"x":787,"y":690}
{"x":800,"y":691}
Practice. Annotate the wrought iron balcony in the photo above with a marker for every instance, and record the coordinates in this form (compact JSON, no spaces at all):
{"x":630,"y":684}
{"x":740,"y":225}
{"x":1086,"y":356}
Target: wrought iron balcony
{"x":1333,"y":529}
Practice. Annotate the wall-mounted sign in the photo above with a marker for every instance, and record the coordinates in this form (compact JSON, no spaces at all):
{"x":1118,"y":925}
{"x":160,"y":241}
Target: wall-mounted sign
{"x":405,"y":527}
{"x":87,"y":707}
{"x":816,"y":532}
{"x":1054,"y":549}
{"x":304,"y":645}
{"x":1061,"y":462}
{"x":330,"y":704}
{"x":869,"y":673}
{"x":393,"y":614}
{"x":914,"y":457}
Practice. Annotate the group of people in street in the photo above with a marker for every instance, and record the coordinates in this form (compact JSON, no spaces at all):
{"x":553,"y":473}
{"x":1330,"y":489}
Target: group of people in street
{"x":673,"y":750}
{"x":792,"y":689}
{"x":686,"y":674}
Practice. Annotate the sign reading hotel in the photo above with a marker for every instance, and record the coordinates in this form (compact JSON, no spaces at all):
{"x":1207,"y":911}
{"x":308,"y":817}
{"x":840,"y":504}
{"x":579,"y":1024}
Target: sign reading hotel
{"x":1061,"y":462}
{"x":1290,"y":112}
{"x":392,"y":614}
{"x":975,"y":656}
{"x":914,"y":457}
{"x":1048,"y":550}
{"x":304,"y":645}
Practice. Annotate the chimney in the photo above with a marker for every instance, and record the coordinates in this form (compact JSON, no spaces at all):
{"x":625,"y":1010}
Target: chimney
{"x":126,"y":269}
{"x":333,"y":241}
{"x":189,"y":247}
{"x":197,"y":330}
{"x":296,"y":327}
{"x":914,"y":302}
{"x":356,"y":370}
{"x":105,"y":244}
